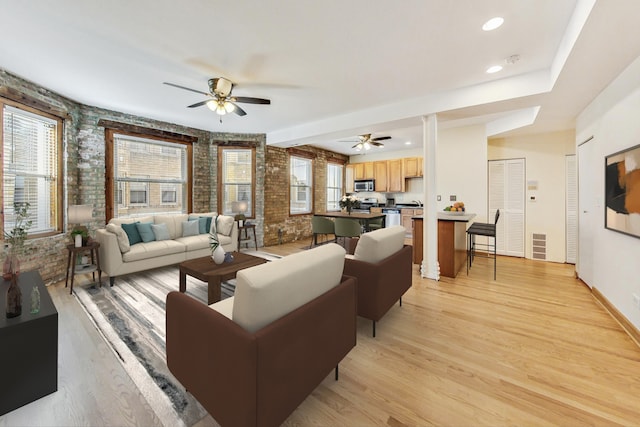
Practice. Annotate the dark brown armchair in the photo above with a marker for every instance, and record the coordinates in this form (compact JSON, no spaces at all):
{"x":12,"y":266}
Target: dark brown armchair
{"x":382,"y":263}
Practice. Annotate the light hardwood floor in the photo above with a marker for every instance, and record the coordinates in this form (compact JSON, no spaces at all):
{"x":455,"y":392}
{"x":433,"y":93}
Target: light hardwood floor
{"x":531,"y":348}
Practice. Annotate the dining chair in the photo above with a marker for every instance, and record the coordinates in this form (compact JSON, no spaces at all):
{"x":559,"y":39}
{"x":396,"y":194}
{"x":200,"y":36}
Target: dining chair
{"x":322,"y":225}
{"x":347,"y":227}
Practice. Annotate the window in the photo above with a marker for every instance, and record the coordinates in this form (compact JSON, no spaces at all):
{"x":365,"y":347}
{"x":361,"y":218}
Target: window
{"x":334,"y":186}
{"x":168,"y":194}
{"x":150,"y":175}
{"x":300,"y":175}
{"x":236,"y":180}
{"x":32,"y":163}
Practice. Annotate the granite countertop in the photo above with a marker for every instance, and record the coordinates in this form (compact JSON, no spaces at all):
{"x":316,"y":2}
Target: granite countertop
{"x":445,"y":216}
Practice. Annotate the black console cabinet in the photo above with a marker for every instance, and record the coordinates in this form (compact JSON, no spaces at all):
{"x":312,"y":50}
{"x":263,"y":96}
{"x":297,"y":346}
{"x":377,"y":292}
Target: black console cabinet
{"x":28,"y":346}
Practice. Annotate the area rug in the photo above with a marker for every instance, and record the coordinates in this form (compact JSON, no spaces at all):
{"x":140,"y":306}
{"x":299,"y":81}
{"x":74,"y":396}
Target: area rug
{"x":131,"y":317}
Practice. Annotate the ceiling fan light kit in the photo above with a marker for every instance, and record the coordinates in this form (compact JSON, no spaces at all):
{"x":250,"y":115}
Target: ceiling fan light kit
{"x":220,"y":100}
{"x":366,"y":142}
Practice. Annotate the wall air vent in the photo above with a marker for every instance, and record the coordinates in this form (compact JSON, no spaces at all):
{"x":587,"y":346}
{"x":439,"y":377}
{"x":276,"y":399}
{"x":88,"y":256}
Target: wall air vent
{"x":539,"y":246}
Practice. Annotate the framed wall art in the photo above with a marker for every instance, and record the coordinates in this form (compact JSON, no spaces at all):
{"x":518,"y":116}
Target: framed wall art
{"x":622,"y":191}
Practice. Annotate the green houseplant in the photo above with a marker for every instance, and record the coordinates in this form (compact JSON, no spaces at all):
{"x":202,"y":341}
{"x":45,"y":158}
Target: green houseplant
{"x":15,"y":238}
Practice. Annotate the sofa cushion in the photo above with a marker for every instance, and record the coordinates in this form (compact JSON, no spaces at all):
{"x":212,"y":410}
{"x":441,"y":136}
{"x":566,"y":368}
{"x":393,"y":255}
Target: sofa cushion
{"x":121,"y":237}
{"x":379,"y":244}
{"x":161,"y":231}
{"x":130,"y":220}
{"x":145,"y":231}
{"x":153,"y":249}
{"x":224,"y":307}
{"x":224,"y":224}
{"x":173,"y":222}
{"x":269,"y":291}
{"x":204,"y":224}
{"x":195,"y":242}
{"x":132,"y":233}
{"x":189,"y":228}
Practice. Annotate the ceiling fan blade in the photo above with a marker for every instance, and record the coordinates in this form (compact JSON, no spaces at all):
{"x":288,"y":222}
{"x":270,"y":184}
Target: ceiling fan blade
{"x":186,"y":88}
{"x":381,"y":138}
{"x":239,"y":111}
{"x":250,"y":100}
{"x":198,"y":104}
{"x":376,"y":144}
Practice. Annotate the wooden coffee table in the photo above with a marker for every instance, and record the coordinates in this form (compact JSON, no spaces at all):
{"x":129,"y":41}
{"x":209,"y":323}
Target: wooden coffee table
{"x":206,"y":270}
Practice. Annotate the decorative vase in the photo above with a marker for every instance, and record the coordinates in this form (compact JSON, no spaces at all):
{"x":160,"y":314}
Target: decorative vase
{"x":14,"y":298}
{"x":10,"y":266}
{"x":78,"y":240}
{"x":218,"y":255}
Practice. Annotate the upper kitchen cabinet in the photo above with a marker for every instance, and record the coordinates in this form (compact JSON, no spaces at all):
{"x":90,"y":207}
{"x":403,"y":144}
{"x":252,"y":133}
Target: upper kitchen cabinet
{"x":349,"y":176}
{"x":363,"y":170}
{"x":395,"y":178}
{"x":380,"y":175}
{"x":412,"y":167}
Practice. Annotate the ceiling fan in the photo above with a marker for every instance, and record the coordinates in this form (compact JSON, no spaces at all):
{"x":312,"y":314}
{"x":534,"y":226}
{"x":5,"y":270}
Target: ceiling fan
{"x":366,"y":142}
{"x":220,"y":99}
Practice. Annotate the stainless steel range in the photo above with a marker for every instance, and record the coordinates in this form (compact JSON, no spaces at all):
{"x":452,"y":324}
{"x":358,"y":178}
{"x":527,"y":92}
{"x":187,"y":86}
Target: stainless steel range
{"x":367,"y":203}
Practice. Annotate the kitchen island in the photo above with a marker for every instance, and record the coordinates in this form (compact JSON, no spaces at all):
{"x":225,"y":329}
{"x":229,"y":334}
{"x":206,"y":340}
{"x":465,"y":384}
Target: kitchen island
{"x":452,"y":241}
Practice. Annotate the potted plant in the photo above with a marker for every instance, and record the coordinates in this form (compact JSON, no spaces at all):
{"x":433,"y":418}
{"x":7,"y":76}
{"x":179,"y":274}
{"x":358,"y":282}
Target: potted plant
{"x":15,"y":238}
{"x":349,"y":202}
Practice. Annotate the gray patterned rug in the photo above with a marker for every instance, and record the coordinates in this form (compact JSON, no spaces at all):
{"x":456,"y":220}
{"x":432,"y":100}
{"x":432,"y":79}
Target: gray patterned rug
{"x":131,"y":317}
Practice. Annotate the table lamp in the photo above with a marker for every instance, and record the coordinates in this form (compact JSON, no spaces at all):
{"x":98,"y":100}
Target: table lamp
{"x":80,"y":214}
{"x":240,"y":208}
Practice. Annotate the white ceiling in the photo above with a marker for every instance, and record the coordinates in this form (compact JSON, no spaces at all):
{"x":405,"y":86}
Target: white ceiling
{"x":332,"y":69}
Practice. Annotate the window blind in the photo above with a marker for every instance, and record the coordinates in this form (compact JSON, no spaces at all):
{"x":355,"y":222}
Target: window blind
{"x":30,"y":151}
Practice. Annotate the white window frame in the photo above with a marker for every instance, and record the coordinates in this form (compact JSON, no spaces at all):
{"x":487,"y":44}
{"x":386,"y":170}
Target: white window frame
{"x":299,"y":203}
{"x":334,"y":192}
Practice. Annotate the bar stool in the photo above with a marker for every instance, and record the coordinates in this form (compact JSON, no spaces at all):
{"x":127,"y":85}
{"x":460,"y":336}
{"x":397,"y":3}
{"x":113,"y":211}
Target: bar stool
{"x":482,"y":229}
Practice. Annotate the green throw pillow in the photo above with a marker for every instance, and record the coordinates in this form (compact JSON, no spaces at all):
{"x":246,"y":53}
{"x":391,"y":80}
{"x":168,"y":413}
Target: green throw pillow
{"x":132,"y":233}
{"x":161,"y":231}
{"x":190,"y":228}
{"x":146,"y":233}
{"x":207,"y":224}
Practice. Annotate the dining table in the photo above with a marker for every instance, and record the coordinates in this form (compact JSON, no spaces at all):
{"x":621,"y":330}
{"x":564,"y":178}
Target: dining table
{"x":363,"y":217}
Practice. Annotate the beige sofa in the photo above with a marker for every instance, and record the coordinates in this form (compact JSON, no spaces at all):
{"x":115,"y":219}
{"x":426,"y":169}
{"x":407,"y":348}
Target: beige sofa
{"x":251,"y":359}
{"x":119,"y":257}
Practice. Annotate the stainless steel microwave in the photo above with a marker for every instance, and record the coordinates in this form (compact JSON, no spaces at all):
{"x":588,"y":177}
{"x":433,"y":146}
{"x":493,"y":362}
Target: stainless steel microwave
{"x":364,"y":185}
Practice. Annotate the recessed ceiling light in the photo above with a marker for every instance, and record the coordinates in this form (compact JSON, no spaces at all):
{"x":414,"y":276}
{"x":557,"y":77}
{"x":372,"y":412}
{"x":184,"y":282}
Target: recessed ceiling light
{"x":494,"y":69}
{"x":493,"y":23}
{"x":407,"y":143}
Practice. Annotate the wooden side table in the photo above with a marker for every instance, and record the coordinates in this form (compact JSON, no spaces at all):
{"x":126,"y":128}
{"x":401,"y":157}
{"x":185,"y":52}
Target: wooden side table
{"x":92,"y":248}
{"x":245,"y":228}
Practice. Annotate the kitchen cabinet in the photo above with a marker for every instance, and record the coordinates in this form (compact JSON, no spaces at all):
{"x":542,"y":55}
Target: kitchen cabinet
{"x":380,"y":175}
{"x":407,"y":215}
{"x":358,"y":170}
{"x":407,"y":222}
{"x":395,"y":179}
{"x":368,"y":170}
{"x":375,"y":210}
{"x":349,"y":176}
{"x":412,"y":167}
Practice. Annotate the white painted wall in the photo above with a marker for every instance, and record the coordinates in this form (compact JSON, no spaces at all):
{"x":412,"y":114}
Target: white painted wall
{"x":544,"y":156}
{"x":612,"y":120}
{"x":462,"y":169}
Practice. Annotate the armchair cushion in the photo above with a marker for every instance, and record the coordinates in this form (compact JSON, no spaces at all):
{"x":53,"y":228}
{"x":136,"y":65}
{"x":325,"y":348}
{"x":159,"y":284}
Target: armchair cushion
{"x":379,"y":244}
{"x":269,"y":291}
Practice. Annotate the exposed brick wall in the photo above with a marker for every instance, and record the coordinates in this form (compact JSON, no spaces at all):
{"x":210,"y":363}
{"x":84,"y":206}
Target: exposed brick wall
{"x":85,"y":169}
{"x":84,"y":144}
{"x":280,"y":227}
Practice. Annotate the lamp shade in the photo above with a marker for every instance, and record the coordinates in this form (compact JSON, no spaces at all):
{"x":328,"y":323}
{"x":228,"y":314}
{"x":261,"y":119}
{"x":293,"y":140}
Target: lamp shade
{"x":79,"y":214}
{"x":243,"y":207}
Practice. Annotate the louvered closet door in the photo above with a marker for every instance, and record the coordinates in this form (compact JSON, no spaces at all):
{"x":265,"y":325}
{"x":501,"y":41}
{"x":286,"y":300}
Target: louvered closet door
{"x":507,"y":193}
{"x":571,"y":214}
